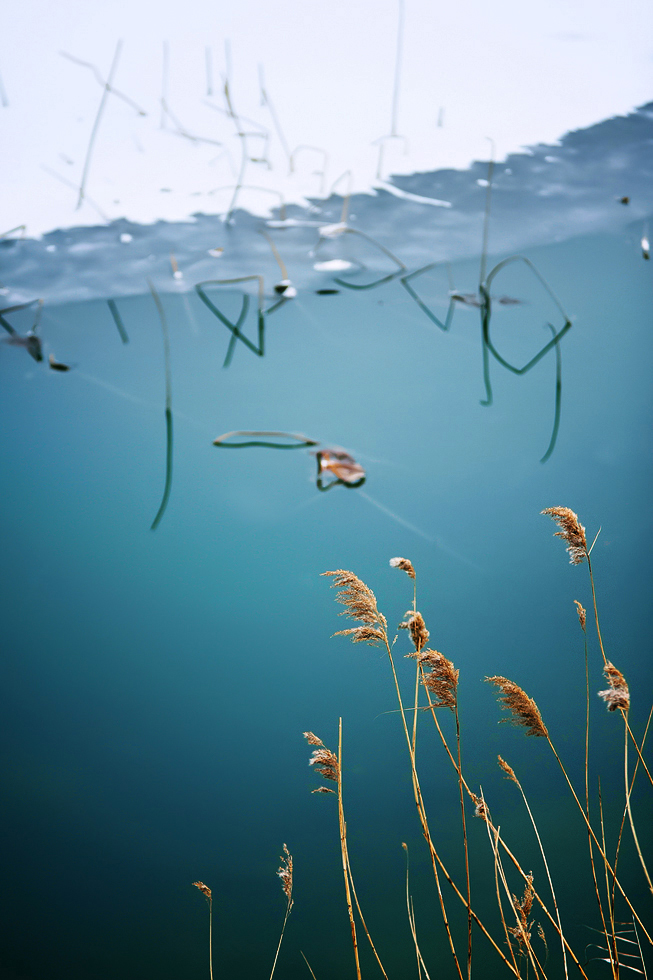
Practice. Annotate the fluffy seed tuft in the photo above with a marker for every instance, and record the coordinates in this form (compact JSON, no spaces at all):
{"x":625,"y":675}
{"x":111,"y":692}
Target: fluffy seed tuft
{"x":404,"y":564}
{"x":617,"y":695}
{"x":572,"y":531}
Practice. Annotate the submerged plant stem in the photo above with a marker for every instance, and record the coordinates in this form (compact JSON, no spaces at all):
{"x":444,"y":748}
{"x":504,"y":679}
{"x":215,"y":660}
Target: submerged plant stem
{"x":168,"y":410}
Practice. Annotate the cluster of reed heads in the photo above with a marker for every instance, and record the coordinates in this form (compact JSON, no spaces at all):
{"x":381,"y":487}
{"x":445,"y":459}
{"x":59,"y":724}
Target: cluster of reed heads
{"x":517,"y":937}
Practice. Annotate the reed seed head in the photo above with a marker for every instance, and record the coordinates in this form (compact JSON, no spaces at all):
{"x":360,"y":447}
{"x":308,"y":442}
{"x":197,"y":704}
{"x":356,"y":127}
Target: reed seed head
{"x":360,"y":604}
{"x":405,"y":565}
{"x":480,"y":807}
{"x":572,"y":531}
{"x":582,"y":614}
{"x":414,"y":623}
{"x":313,"y":739}
{"x":441,"y":679}
{"x":522,"y":907}
{"x":509,"y":771}
{"x":205,"y":890}
{"x":617,"y":695}
{"x":285,"y":873}
{"x":324,"y":760}
{"x":523,"y":710}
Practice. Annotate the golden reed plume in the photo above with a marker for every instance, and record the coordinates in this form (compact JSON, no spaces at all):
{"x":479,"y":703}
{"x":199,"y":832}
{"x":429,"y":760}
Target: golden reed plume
{"x":285,"y":873}
{"x":617,"y":695}
{"x":361,"y":605}
{"x":414,"y":623}
{"x":324,"y":761}
{"x":523,"y":710}
{"x":571,"y":530}
{"x":405,"y":565}
{"x":441,"y":679}
{"x":582,"y":614}
{"x":205,"y":890}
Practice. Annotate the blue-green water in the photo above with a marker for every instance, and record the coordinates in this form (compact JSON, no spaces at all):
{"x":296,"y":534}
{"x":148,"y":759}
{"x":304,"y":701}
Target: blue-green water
{"x":157,"y":684}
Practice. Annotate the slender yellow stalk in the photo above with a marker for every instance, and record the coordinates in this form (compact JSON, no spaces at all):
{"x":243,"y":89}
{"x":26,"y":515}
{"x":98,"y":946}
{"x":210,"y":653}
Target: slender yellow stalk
{"x":630,"y":813}
{"x":583,"y":621}
{"x":613,"y":949}
{"x":493,"y":835}
{"x":343,"y":849}
{"x":206,"y":891}
{"x":362,"y":917}
{"x":513,"y":778}
{"x":502,"y":842}
{"x":601,"y":849}
{"x":411,"y":922}
{"x":285,"y":872}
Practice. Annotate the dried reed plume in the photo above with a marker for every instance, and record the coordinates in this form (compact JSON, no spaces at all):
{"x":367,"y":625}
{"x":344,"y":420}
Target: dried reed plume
{"x":361,"y":605}
{"x":617,"y":695}
{"x":414,"y":623}
{"x":509,"y":771}
{"x":571,"y":530}
{"x":404,"y":564}
{"x":324,"y":760}
{"x":523,"y":710}
{"x":285,"y":873}
{"x":480,"y":806}
{"x":582,"y":614}
{"x":523,"y":906}
{"x":441,"y":679}
{"x":205,"y":890}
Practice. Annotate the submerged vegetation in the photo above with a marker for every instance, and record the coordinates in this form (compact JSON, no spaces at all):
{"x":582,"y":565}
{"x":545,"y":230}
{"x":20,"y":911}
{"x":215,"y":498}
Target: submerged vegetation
{"x":526,"y":909}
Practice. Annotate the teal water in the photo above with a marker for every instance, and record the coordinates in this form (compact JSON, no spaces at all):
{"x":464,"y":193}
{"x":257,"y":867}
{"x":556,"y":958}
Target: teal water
{"x":157,"y":684}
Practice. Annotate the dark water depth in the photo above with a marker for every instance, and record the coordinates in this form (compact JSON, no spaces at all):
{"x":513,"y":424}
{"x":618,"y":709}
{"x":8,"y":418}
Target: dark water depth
{"x":156,"y":684}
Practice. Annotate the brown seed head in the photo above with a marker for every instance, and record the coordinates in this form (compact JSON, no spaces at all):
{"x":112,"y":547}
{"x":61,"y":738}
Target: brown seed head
{"x":363,"y":634}
{"x":405,"y":565}
{"x":441,"y":679}
{"x":571,"y":530}
{"x":285,"y":873}
{"x":582,"y":614}
{"x":523,"y":906}
{"x":509,"y":771}
{"x":414,"y":623}
{"x":617,"y":696}
{"x":480,"y":807}
{"x":323,"y":759}
{"x":360,"y":604}
{"x":523,"y":710}
{"x":205,"y":890}
{"x":313,"y":739}
{"x":323,"y":789}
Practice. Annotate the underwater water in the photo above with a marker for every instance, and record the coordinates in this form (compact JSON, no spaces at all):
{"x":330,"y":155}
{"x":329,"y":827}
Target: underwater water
{"x":157,"y":683}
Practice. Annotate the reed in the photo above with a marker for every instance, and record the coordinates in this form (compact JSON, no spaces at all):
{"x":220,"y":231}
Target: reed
{"x":206,"y":892}
{"x":437,"y":680}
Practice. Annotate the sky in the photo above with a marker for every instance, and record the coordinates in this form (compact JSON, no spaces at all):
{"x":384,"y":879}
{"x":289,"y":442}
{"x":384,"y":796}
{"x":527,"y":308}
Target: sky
{"x":518,"y":73}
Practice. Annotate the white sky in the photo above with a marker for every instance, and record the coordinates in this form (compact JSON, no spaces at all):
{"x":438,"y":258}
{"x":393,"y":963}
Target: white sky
{"x":519,"y":71}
